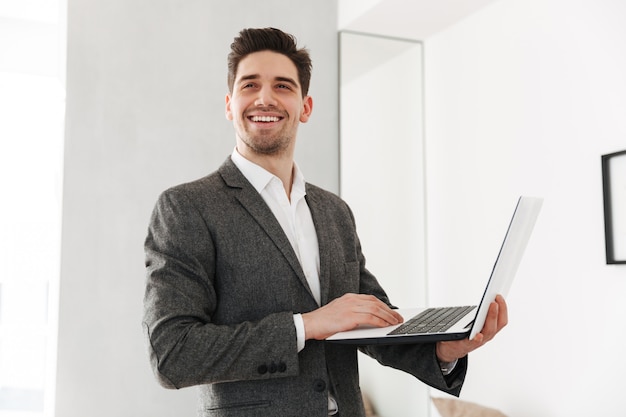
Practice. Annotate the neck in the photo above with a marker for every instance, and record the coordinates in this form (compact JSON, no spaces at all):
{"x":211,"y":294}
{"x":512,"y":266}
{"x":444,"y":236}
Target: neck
{"x":280,"y":164}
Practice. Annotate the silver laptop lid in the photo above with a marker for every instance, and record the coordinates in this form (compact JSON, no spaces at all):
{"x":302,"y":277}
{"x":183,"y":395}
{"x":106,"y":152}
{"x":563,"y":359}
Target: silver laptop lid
{"x":510,"y":256}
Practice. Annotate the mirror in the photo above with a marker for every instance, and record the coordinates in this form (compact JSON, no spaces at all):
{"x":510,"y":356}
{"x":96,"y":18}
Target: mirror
{"x":382,"y":179}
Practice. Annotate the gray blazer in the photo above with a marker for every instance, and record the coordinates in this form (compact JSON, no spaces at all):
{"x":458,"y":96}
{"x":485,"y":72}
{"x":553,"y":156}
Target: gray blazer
{"x":223,"y":283}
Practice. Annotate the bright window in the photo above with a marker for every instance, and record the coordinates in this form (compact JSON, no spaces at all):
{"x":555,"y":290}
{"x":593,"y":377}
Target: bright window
{"x":32,"y":103}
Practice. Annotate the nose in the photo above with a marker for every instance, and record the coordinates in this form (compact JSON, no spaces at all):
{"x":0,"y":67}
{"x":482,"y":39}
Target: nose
{"x":265,"y":97}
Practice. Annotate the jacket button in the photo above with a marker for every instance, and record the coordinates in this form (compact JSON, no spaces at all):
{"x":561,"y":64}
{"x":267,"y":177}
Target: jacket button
{"x":262,"y":369}
{"x":272,"y":369}
{"x":282,"y":367}
{"x":319,"y":385}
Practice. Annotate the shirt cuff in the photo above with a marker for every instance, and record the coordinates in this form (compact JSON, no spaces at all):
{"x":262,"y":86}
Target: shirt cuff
{"x":300,"y":335}
{"x":447,"y":367}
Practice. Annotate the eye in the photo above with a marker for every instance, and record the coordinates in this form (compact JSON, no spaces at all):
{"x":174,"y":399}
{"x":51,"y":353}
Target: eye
{"x":248,"y":84}
{"x":283,"y":86}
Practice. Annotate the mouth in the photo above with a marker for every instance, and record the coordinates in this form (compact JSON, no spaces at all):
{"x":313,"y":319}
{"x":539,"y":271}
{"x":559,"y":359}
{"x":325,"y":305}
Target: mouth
{"x":263,"y":116}
{"x":264,"y":119}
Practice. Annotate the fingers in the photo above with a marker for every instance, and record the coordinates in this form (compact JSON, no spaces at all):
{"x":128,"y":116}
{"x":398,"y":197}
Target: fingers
{"x":348,"y":312}
{"x":369,"y":310}
{"x":491,"y":322}
{"x":497,"y":319}
{"x":503,"y":312}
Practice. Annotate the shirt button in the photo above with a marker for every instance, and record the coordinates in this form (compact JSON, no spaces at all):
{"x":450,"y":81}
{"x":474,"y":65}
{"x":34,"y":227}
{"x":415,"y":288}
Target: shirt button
{"x":319,"y":385}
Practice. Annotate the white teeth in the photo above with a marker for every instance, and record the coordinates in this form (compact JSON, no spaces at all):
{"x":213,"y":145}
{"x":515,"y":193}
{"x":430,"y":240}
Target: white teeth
{"x":264,"y":118}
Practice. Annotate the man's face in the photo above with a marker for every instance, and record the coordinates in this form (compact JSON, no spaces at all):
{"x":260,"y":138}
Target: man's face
{"x":266,"y":104}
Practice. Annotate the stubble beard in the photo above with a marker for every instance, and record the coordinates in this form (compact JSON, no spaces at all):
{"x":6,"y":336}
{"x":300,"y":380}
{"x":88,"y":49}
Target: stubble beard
{"x":266,"y":142}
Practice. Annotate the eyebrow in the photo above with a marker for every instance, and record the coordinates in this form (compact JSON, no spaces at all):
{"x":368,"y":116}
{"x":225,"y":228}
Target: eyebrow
{"x":257,"y":76}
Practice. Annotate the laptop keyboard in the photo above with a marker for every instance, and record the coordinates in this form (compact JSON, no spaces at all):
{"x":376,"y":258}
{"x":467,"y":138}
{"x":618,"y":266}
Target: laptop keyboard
{"x":433,"y":320}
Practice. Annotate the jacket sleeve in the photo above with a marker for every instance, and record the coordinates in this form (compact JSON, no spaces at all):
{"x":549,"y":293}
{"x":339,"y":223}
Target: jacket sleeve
{"x":420,"y":360}
{"x":186,"y":346}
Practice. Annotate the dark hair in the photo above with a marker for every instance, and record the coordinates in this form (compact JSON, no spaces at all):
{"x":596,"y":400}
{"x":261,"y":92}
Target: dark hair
{"x":269,"y":39}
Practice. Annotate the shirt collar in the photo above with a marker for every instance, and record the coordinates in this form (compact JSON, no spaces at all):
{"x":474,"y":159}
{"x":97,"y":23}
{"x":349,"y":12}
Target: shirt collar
{"x":259,"y":177}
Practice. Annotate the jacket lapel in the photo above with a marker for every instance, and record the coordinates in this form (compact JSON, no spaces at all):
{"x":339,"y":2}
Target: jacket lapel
{"x":320,"y":218}
{"x":252,"y":201}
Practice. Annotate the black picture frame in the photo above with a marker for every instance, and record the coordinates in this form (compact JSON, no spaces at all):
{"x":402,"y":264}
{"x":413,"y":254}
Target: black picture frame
{"x":614,"y":192}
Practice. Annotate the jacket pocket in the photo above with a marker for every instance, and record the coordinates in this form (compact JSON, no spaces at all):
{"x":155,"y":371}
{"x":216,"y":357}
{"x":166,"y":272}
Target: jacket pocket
{"x":236,"y":408}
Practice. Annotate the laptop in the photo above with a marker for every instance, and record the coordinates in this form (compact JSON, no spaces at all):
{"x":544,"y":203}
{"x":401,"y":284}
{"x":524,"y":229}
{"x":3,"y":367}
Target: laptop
{"x":456,"y":323}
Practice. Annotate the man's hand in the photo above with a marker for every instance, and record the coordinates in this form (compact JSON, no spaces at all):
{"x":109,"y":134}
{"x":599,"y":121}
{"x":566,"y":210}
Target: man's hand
{"x":497,"y":318}
{"x":346,"y":313}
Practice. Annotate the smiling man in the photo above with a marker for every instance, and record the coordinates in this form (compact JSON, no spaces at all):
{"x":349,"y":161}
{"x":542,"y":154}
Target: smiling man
{"x":251,"y":268}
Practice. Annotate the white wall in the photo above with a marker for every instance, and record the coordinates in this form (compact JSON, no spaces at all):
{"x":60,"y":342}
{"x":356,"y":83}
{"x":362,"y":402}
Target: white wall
{"x":522,"y":98}
{"x":145,"y":110}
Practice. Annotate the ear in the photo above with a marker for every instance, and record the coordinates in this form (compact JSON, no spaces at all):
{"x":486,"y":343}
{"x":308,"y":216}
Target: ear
{"x":307,"y":109}
{"x":229,"y":113}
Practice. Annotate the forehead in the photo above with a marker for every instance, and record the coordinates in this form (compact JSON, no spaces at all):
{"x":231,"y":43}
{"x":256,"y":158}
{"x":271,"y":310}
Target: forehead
{"x":266,"y":64}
